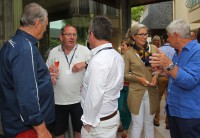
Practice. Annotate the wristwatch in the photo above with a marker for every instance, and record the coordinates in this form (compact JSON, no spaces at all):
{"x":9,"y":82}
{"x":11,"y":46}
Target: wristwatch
{"x":86,"y":63}
{"x":171,"y":66}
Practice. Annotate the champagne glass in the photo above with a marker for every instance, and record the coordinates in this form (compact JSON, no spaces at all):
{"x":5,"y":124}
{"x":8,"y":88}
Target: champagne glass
{"x":56,"y":62}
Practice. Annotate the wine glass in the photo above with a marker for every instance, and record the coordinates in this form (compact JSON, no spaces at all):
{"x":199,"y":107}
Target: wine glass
{"x":56,"y":62}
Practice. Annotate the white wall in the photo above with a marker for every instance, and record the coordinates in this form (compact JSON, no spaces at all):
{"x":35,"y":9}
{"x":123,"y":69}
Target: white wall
{"x":180,"y":10}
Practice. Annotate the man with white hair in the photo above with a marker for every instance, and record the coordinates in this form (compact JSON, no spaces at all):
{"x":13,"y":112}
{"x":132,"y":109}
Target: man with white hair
{"x":26,"y":91}
{"x":183,"y":98}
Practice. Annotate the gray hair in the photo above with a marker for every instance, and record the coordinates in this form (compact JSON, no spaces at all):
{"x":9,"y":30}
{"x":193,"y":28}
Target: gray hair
{"x":32,"y":12}
{"x":135,"y":29}
{"x":180,"y":27}
{"x":101,"y":27}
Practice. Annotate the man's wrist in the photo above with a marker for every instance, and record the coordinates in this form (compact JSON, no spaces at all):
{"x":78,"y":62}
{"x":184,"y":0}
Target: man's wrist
{"x":86,"y":64}
{"x":87,"y":127}
{"x":170,"y":66}
{"x":40,"y":128}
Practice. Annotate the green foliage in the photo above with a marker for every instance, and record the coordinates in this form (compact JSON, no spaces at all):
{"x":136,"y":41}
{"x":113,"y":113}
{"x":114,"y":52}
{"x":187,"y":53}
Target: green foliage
{"x":136,"y":12}
{"x":54,"y":42}
{"x":82,"y":35}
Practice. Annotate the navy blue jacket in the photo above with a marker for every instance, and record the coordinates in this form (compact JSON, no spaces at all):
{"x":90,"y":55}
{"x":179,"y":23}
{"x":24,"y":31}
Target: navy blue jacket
{"x":26,"y":91}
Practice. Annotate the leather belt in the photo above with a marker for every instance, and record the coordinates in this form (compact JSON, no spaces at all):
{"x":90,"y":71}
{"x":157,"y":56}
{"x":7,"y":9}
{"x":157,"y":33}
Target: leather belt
{"x":109,"y":116}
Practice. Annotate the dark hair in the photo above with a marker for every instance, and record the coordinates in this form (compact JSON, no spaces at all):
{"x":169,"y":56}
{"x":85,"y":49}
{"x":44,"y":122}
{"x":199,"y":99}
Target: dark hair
{"x":101,"y":27}
{"x":62,"y":30}
{"x":165,"y":37}
{"x":198,"y":35}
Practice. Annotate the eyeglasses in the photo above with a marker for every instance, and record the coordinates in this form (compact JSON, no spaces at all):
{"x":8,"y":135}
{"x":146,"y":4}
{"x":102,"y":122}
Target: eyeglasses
{"x":69,"y":34}
{"x":142,"y":35}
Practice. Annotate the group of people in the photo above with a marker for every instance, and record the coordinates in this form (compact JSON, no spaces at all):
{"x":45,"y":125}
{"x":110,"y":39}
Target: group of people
{"x":140,"y":85}
{"x":36,"y":98}
{"x":174,"y":63}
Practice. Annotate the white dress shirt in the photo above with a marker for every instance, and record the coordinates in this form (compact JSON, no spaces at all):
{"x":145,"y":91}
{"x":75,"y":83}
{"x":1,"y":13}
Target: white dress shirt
{"x":102,"y":83}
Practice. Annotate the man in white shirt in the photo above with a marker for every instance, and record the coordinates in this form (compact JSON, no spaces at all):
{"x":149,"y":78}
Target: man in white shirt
{"x":68,"y":78}
{"x":102,"y":83}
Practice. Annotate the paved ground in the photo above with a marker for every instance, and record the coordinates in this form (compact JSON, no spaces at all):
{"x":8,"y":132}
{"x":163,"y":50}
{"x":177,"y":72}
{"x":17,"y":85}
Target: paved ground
{"x":160,"y":132}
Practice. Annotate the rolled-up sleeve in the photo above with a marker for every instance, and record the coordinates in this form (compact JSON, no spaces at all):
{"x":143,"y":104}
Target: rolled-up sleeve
{"x":188,"y":77}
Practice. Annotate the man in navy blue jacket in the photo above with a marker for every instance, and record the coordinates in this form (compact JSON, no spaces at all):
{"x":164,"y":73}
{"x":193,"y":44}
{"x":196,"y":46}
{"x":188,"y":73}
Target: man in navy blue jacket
{"x":26,"y":92}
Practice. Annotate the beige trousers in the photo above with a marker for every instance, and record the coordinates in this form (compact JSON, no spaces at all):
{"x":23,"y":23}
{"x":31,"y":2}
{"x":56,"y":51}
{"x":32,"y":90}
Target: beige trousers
{"x":105,"y":129}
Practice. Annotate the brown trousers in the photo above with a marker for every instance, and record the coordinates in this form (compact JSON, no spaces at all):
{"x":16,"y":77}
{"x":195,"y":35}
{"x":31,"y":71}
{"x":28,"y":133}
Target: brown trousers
{"x":162,"y":87}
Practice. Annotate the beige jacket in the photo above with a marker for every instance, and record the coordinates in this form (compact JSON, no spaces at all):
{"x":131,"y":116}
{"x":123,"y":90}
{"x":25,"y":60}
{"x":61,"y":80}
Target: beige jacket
{"x":135,"y":67}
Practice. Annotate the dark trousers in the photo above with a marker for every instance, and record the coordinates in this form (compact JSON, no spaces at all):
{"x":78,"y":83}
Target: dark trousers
{"x":183,"y":128}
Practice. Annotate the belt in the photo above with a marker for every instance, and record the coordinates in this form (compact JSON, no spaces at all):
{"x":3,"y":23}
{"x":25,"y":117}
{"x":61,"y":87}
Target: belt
{"x":109,"y":116}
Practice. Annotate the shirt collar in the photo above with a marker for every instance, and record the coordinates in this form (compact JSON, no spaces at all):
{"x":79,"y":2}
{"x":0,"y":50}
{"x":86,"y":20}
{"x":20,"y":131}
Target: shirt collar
{"x":95,"y":50}
{"x":190,"y":45}
{"x":166,"y":44}
{"x":61,"y":49}
{"x":31,"y":38}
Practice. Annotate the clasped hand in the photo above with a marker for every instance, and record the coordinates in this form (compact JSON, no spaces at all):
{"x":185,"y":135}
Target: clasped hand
{"x":146,"y":83}
{"x":78,"y":67}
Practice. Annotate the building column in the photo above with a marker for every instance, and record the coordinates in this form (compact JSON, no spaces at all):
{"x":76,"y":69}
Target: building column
{"x":125,"y":16}
{"x":6,"y":20}
{"x":17,"y":11}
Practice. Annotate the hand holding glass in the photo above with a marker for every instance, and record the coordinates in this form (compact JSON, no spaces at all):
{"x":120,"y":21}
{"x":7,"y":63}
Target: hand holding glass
{"x":55,"y":70}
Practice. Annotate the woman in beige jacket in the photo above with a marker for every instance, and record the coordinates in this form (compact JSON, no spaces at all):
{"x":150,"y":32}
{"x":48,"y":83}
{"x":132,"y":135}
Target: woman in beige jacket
{"x":143,"y":98}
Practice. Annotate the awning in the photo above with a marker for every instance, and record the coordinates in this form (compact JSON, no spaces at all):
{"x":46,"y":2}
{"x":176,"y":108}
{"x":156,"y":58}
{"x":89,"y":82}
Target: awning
{"x":133,"y":3}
